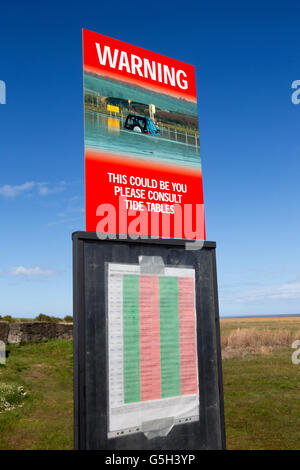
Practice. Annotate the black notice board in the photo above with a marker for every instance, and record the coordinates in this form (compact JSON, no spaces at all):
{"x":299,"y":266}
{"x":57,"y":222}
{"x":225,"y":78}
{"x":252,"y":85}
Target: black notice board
{"x":90,"y":256}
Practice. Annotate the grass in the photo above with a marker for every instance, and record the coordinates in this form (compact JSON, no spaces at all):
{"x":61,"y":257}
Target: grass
{"x":45,"y":421}
{"x":261,"y":384}
{"x":262,"y":402}
{"x":261,"y":389}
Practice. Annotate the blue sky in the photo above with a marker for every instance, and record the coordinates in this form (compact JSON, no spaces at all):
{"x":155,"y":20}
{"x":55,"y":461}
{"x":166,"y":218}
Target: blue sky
{"x":246,"y":55}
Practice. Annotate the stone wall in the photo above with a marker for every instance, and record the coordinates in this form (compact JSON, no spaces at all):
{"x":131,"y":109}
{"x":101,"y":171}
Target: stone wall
{"x":34,"y":331}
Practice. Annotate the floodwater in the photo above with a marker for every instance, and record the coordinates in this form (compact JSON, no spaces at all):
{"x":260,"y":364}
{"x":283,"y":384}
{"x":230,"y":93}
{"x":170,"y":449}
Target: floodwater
{"x":104,"y":132}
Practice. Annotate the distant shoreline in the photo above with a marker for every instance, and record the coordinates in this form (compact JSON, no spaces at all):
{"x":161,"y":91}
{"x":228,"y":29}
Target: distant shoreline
{"x":282,"y":315}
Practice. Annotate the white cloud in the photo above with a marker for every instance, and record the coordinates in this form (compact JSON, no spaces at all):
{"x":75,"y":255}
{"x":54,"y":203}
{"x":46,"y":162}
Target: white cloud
{"x":287,"y":291}
{"x":70,"y":210}
{"x":10,"y":191}
{"x":42,"y":189}
{"x":64,"y":221}
{"x":32,"y":272}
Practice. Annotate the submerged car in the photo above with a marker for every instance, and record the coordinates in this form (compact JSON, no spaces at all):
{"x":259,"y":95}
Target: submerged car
{"x":141,"y":124}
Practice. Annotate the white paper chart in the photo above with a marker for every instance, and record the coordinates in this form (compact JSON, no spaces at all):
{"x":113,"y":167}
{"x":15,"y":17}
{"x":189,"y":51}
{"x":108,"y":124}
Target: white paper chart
{"x":153,"y":371}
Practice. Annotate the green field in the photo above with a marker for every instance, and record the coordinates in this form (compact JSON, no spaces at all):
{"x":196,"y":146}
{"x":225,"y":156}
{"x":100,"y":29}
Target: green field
{"x":45,"y":421}
{"x":261,"y":389}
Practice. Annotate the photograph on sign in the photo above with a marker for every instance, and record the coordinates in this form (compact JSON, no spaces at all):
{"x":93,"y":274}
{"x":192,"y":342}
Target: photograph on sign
{"x":142,"y":156}
{"x":152,"y":350}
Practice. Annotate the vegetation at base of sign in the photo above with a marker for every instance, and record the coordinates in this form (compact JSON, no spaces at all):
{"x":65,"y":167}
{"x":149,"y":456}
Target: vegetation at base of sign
{"x":40,"y":317}
{"x":261,"y":390}
{"x":45,"y":371}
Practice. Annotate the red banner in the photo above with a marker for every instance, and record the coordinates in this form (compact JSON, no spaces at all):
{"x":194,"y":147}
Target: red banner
{"x":142,"y":160}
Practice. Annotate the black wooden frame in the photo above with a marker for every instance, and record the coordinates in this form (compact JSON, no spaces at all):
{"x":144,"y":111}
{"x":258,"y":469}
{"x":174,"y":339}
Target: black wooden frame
{"x":90,"y":254}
